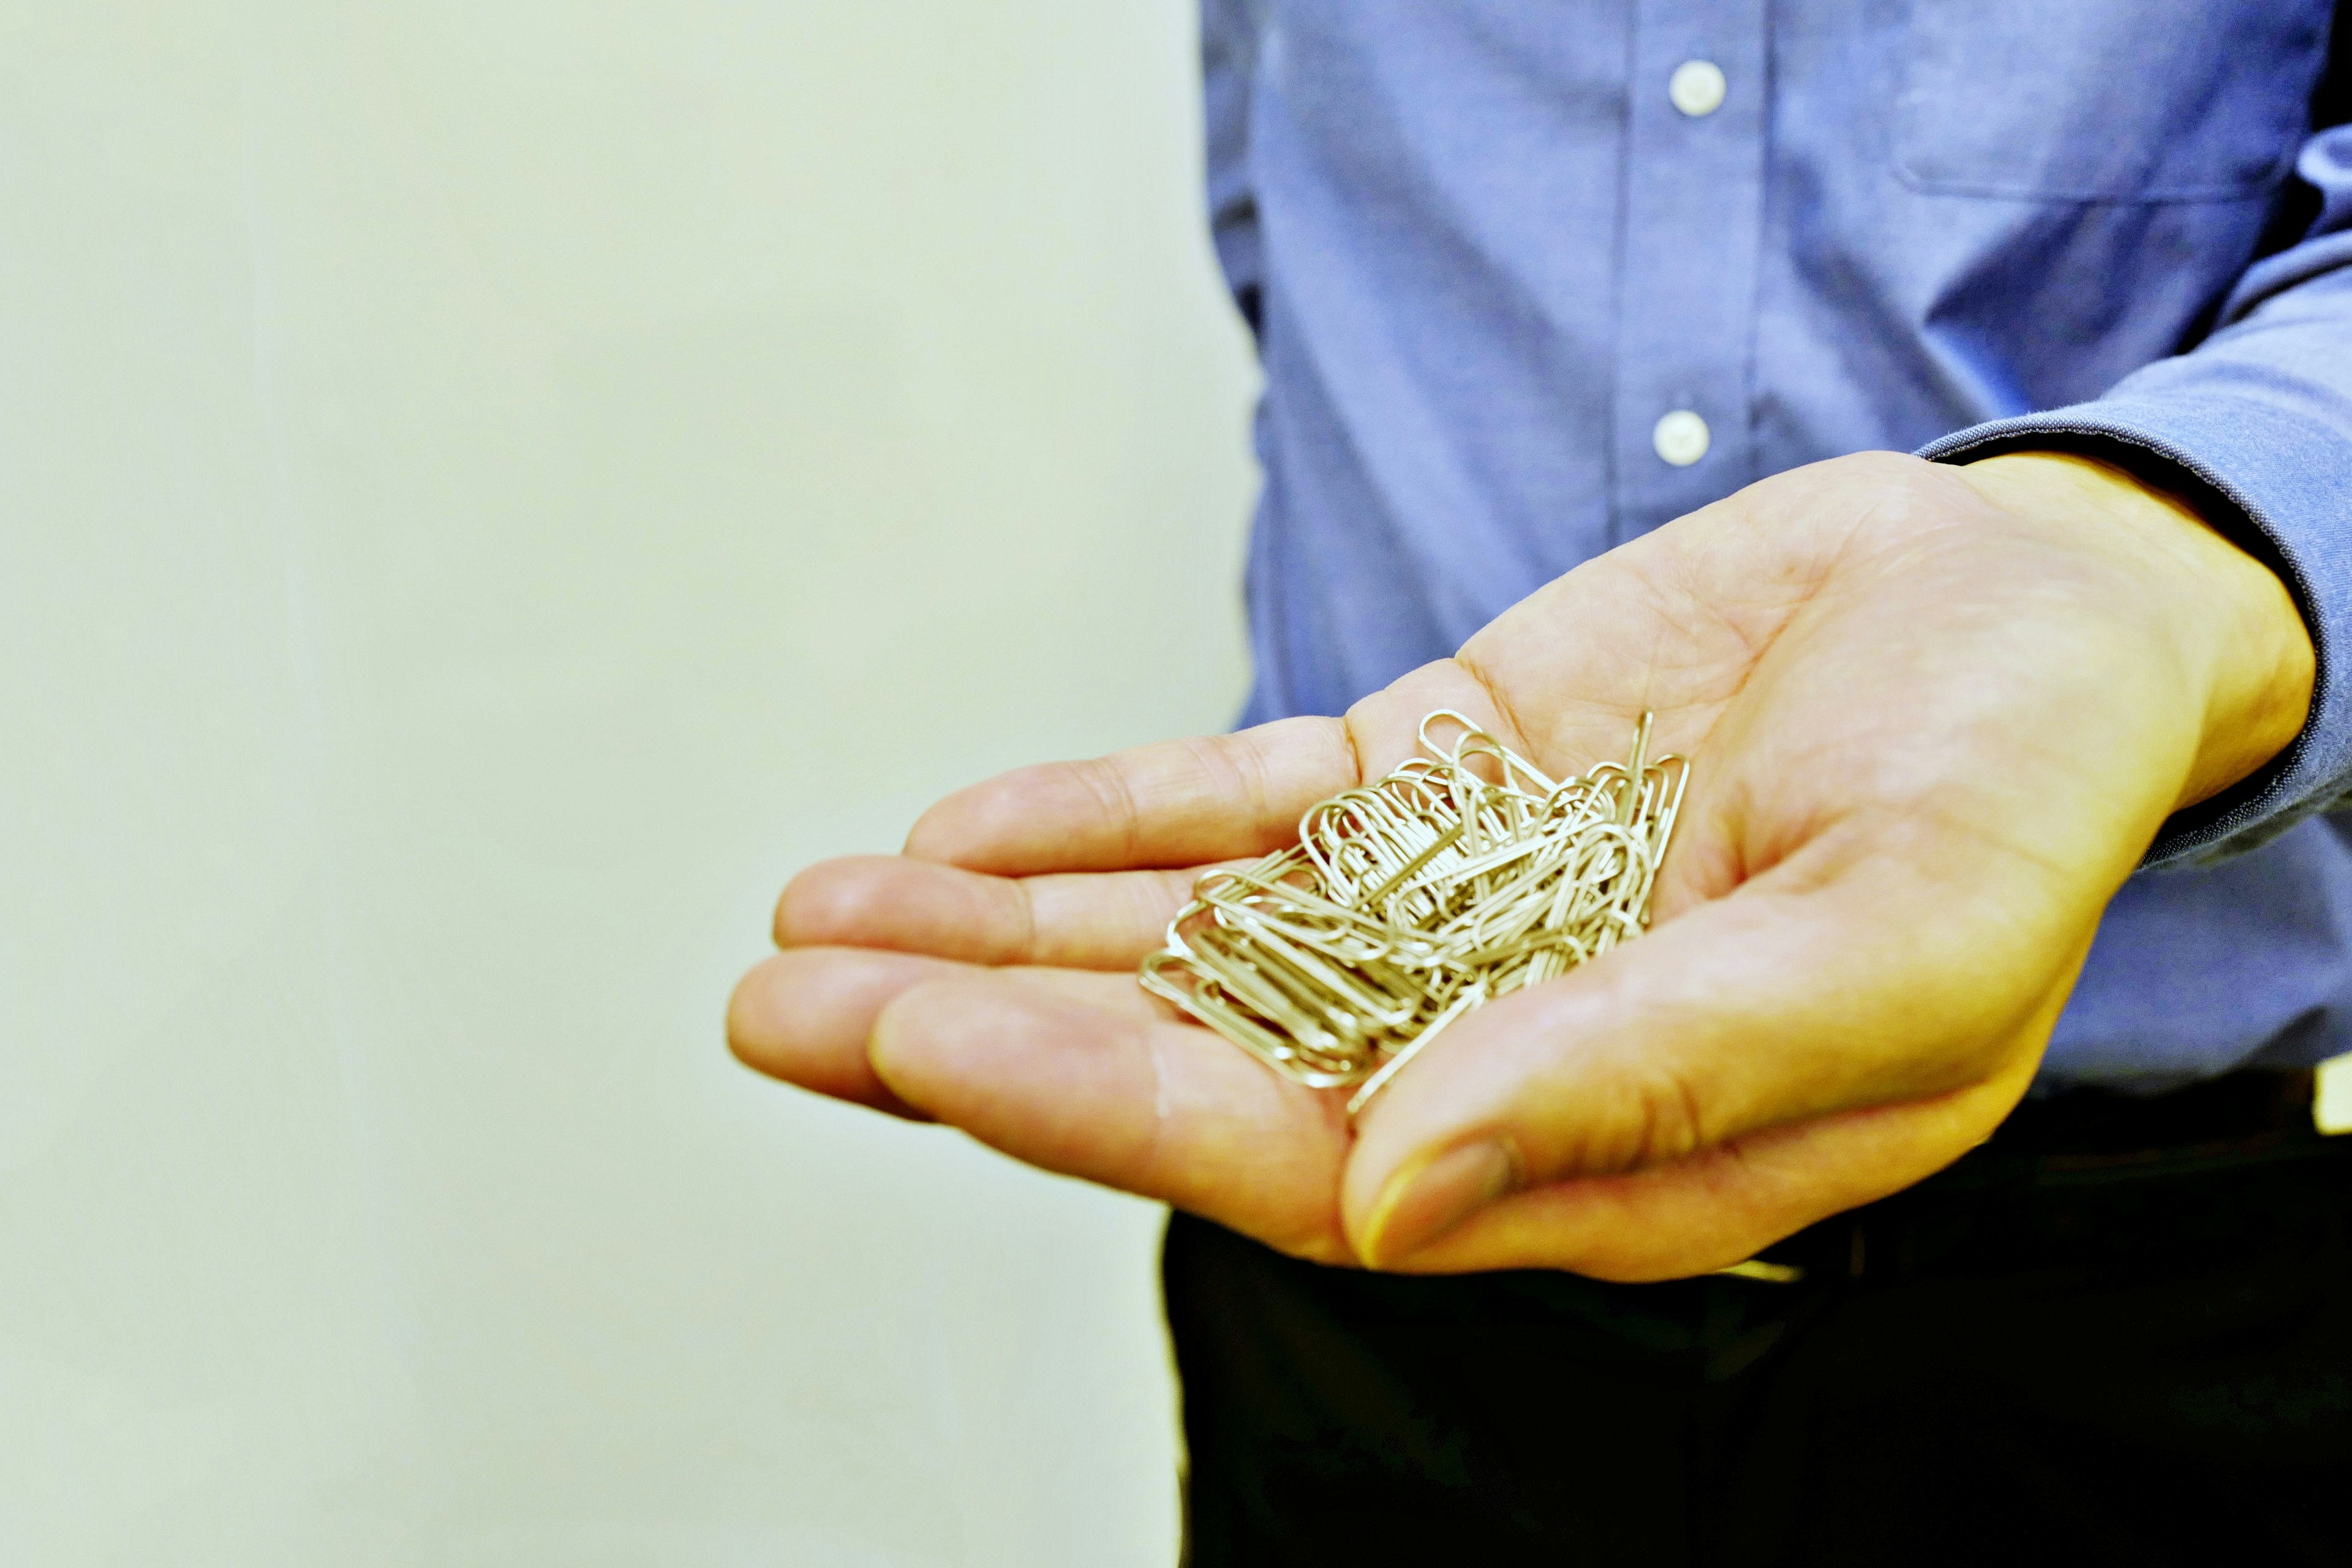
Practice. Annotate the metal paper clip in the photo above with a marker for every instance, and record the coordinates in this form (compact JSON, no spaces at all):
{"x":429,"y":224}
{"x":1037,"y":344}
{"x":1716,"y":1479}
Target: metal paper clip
{"x":1465,"y":874}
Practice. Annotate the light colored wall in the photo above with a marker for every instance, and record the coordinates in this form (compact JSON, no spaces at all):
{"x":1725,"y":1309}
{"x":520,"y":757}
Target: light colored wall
{"x":487,"y":488}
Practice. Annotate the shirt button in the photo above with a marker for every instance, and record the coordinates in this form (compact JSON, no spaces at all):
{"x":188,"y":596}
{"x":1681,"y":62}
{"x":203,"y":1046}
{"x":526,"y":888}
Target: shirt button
{"x":1680,"y":437}
{"x":1696,"y":88}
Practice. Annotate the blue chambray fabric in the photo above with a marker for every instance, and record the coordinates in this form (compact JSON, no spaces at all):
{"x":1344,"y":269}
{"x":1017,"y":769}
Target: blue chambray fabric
{"x":1483,"y":252}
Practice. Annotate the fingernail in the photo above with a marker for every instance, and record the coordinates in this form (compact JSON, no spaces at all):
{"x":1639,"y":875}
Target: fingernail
{"x":1433,"y":1194}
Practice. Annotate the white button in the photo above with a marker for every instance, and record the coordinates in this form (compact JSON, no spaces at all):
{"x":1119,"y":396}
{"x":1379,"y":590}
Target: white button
{"x":1696,"y":88}
{"x":1680,"y":437}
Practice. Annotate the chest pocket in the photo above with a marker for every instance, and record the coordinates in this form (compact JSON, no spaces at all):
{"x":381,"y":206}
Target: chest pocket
{"x":2105,"y":100}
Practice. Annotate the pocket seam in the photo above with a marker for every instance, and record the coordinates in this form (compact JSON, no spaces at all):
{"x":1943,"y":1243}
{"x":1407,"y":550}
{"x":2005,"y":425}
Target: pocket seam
{"x":1912,"y":139}
{"x":2256,"y":189}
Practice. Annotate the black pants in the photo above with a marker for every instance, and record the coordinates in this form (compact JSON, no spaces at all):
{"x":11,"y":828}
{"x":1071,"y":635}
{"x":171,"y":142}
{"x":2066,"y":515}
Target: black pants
{"x":2120,"y":1332}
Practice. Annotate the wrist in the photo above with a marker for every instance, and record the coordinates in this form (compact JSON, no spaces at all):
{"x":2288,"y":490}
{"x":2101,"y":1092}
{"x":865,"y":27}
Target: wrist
{"x":2222,"y":606}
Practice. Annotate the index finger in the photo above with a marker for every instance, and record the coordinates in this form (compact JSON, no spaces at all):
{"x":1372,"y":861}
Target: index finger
{"x":1173,"y":804}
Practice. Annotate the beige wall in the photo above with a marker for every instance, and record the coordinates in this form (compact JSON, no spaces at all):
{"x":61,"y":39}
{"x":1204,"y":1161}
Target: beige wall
{"x":490,"y":488}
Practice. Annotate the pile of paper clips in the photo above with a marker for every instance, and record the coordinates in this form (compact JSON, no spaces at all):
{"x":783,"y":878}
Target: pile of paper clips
{"x":1460,"y":878}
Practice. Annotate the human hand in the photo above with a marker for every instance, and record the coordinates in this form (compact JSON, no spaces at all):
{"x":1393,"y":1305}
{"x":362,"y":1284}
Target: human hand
{"x":1935,"y":715}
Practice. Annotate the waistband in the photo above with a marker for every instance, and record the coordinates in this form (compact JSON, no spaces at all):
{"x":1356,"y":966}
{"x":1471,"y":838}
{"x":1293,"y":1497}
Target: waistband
{"x":2091,"y":1134}
{"x":2090,"y":1177}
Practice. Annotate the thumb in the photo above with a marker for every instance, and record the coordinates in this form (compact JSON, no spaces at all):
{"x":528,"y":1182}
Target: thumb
{"x":1761,"y":1009}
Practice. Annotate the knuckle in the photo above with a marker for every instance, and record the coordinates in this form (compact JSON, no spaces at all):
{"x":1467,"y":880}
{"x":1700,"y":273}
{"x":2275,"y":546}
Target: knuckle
{"x":1106,"y":782}
{"x":1657,"y":1120}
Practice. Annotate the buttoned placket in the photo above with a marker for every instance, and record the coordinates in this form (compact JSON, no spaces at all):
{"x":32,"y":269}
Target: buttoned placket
{"x":1693,"y":222}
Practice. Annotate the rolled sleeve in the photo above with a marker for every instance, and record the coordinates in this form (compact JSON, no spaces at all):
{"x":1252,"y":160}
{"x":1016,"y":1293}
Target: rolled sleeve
{"x":2253,"y":427}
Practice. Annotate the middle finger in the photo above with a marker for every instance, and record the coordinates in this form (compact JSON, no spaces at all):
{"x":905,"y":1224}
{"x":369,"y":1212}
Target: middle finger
{"x":1069,"y":921}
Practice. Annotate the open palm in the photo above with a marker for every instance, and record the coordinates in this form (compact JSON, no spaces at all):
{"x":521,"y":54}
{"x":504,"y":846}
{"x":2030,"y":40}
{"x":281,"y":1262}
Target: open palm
{"x":1934,"y":717}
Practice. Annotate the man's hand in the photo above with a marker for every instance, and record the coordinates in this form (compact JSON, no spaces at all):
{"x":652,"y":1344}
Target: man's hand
{"x":1936,"y":716}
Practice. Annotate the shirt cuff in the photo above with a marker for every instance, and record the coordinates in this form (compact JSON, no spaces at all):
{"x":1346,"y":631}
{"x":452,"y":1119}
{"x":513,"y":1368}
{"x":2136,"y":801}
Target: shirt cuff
{"x":2276,"y":483}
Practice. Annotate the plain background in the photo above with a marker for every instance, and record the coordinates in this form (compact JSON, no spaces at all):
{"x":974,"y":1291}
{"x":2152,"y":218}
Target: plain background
{"x":489,"y":490}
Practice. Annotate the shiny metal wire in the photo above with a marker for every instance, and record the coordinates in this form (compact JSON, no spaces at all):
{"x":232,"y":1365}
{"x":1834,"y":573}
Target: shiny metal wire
{"x":1463,"y":876}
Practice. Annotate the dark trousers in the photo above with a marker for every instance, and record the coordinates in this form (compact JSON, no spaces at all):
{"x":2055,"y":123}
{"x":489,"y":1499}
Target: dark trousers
{"x":2120,"y":1332}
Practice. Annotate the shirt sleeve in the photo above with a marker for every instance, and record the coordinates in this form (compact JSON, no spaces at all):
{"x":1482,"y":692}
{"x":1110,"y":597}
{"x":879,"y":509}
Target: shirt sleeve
{"x":2253,"y":427}
{"x":1229,"y":44}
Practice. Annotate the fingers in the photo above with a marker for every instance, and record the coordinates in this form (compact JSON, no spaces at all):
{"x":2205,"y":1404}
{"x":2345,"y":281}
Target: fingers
{"x":1179,"y":803}
{"x":1164,"y":1109}
{"x":1100,"y":920}
{"x":1758,"y":1011}
{"x":1080,"y":1073}
{"x":806,"y":1015}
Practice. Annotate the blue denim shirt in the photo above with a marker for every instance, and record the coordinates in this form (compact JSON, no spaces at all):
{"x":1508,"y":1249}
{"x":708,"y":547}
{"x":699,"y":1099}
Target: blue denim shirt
{"x":1488,"y":244}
